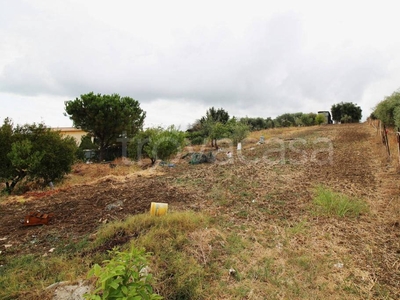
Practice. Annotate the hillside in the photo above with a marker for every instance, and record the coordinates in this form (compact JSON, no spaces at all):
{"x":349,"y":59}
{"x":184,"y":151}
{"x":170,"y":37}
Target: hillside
{"x":263,"y":219}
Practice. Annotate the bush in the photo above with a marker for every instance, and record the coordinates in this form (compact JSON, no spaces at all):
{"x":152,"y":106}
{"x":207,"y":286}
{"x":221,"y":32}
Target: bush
{"x":125,"y":276}
{"x":320,"y":119}
{"x":157,"y":143}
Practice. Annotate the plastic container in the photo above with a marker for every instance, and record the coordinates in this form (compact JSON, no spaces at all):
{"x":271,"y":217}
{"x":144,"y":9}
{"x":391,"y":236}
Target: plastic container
{"x":158,"y":209}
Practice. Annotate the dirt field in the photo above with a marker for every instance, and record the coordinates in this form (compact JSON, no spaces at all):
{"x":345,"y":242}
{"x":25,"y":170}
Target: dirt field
{"x":261,"y":188}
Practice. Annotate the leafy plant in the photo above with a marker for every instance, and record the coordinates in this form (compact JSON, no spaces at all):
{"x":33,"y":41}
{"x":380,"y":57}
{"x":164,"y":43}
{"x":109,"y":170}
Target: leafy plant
{"x":123,"y":277}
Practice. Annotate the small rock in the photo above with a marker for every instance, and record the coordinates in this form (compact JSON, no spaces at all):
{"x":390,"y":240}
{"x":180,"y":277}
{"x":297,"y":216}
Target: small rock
{"x":114,"y":205}
{"x":338,"y":265}
{"x":52,"y":250}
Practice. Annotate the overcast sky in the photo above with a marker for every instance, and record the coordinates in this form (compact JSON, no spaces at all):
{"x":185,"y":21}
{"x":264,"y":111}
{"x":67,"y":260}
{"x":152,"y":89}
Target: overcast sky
{"x":179,"y":58}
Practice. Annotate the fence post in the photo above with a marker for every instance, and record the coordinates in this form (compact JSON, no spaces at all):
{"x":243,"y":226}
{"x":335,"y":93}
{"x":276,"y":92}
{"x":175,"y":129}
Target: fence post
{"x":398,"y":142}
{"x":386,"y":140}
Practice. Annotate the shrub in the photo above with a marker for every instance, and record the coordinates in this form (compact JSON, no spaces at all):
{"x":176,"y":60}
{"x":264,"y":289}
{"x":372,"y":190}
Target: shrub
{"x":157,"y":143}
{"x":123,"y":277}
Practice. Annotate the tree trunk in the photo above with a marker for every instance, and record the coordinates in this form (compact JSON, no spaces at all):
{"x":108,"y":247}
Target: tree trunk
{"x":14,"y":182}
{"x":102,"y":154}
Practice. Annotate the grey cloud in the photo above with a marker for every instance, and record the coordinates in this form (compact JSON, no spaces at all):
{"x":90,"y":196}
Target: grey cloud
{"x":264,"y":72}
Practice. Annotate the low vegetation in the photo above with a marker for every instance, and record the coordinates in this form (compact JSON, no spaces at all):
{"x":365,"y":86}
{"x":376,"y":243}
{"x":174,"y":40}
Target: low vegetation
{"x":124,"y":276}
{"x":330,"y":203}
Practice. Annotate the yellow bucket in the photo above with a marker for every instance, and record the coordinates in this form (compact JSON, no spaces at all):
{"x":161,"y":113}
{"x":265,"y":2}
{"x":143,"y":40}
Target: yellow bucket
{"x":158,"y":209}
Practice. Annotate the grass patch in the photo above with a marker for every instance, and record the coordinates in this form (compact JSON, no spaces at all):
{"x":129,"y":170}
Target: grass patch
{"x":178,"y":273}
{"x":332,"y":204}
{"x":30,"y":274}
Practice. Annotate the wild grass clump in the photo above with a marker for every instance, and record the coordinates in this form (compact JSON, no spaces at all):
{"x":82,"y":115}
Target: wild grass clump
{"x":337,"y":204}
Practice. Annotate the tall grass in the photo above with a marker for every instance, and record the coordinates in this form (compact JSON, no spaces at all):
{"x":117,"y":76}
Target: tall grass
{"x":332,"y":203}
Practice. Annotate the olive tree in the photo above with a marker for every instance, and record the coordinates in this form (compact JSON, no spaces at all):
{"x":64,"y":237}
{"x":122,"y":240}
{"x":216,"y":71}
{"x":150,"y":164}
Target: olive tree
{"x":346,"y":112}
{"x":157,"y":143}
{"x":35,"y":153}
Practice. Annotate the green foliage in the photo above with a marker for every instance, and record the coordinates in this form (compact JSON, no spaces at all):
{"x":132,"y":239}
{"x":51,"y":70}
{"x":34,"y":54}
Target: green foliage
{"x":123,"y":277}
{"x":6,"y":139}
{"x":157,"y":143}
{"x":34,"y":152}
{"x":196,"y":137}
{"x":217,"y":125}
{"x":256,"y":124}
{"x":86,"y":144}
{"x":309,"y":119}
{"x":179,"y":274}
{"x":237,"y":131}
{"x":216,"y":115}
{"x":337,"y":204}
{"x":23,"y":157}
{"x":320,"y":119}
{"x":287,"y":119}
{"x":346,"y":112}
{"x":211,"y":126}
{"x":388,"y":110}
{"x":284,"y":120}
{"x":105,"y":117}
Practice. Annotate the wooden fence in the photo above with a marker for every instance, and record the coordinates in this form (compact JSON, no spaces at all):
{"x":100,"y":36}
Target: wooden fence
{"x":387,"y":134}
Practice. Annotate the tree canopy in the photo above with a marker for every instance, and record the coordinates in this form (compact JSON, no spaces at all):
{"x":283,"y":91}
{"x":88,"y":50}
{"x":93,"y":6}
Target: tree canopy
{"x":388,"y":110}
{"x":105,"y":117}
{"x":346,"y":112}
{"x":33,"y":152}
{"x":217,"y":124}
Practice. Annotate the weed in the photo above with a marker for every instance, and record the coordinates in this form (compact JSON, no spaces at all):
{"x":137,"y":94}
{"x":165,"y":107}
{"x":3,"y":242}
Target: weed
{"x":336,"y":204}
{"x":125,"y":276}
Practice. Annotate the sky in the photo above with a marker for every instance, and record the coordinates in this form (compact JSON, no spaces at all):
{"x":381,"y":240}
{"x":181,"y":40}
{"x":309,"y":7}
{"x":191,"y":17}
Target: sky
{"x":179,"y":58}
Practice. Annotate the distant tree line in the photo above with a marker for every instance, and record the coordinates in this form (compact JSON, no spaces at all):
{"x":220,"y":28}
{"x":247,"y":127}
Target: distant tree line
{"x":341,"y":112}
{"x":284,"y":120}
